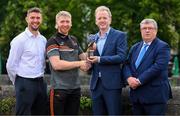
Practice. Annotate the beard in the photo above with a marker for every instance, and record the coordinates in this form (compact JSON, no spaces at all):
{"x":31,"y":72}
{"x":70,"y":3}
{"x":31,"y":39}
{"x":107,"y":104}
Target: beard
{"x":34,"y":28}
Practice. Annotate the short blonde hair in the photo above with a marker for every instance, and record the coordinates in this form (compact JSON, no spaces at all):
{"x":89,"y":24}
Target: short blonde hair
{"x":103,"y":8}
{"x":62,"y":13}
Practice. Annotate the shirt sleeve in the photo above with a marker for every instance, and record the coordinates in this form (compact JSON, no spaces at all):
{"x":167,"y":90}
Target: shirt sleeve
{"x":52,"y":49}
{"x":13,"y":60}
{"x":80,"y":51}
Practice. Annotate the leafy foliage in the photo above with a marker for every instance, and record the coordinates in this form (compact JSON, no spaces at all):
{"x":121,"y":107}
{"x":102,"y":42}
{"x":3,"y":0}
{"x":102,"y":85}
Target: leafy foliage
{"x":7,"y":105}
{"x":127,"y":14}
{"x":85,"y":103}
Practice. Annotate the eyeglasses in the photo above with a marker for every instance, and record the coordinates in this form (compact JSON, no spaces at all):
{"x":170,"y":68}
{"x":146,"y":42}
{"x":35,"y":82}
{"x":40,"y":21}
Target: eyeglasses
{"x":148,"y":28}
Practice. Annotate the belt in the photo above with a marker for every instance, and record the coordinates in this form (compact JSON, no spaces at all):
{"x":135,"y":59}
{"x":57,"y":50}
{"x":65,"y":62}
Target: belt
{"x":31,"y":79}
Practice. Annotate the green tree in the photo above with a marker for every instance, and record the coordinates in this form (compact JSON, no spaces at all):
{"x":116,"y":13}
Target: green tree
{"x":127,"y":14}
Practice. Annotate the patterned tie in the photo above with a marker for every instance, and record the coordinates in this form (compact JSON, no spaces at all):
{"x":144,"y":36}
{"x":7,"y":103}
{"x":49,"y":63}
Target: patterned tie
{"x":141,"y":54}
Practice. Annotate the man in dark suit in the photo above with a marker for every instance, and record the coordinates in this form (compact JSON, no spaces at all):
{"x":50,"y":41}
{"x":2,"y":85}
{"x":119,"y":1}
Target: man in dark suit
{"x":106,"y":82}
{"x":146,"y":72}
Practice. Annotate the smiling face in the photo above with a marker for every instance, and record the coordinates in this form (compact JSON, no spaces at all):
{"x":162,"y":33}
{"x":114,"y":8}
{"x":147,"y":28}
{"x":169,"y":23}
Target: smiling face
{"x":34,"y":19}
{"x":103,"y":20}
{"x":148,"y":31}
{"x":64,"y":24}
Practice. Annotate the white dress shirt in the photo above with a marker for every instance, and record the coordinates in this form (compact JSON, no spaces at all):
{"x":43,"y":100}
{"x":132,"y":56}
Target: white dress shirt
{"x":26,"y":56}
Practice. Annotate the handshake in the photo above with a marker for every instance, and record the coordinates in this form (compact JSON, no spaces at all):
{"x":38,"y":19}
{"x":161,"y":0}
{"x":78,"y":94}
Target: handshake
{"x":85,"y":65}
{"x":89,"y":57}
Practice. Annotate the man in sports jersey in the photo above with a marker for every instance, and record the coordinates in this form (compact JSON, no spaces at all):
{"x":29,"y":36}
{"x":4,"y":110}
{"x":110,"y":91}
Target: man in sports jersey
{"x":65,"y":58}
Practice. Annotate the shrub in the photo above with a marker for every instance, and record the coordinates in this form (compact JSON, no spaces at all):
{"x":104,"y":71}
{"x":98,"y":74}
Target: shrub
{"x":85,"y":102}
{"x":7,"y":105}
{"x":85,"y":105}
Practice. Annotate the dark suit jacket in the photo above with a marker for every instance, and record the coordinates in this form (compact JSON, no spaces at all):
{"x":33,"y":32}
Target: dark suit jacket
{"x":113,"y":55}
{"x":152,"y":73}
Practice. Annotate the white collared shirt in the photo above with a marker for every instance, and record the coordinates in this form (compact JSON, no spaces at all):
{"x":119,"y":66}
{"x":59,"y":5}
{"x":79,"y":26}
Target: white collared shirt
{"x":148,"y":43}
{"x":26,"y":56}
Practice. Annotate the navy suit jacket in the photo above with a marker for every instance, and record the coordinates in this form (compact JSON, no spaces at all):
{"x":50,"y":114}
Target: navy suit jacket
{"x":152,"y":73}
{"x":113,"y":55}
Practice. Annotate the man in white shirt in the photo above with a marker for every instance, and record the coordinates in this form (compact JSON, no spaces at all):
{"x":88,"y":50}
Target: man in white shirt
{"x":25,"y":67}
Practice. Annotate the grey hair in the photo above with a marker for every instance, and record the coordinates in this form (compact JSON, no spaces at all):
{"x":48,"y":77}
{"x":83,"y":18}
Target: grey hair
{"x":62,"y":13}
{"x":147,"y":21}
{"x":103,"y":8}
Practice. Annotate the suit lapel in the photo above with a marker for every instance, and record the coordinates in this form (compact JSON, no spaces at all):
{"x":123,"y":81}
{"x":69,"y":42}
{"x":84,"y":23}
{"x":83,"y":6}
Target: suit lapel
{"x":107,"y":41}
{"x":96,"y":51}
{"x":137,"y":52}
{"x":148,"y":50}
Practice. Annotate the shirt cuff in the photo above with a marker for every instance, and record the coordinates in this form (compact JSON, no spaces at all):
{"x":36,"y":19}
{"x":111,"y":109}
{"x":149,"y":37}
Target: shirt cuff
{"x":98,"y":59}
{"x":139,"y":81}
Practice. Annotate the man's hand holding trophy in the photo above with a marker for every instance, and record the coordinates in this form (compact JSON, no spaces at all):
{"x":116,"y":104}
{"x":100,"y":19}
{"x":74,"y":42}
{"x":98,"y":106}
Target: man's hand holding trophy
{"x":91,"y":48}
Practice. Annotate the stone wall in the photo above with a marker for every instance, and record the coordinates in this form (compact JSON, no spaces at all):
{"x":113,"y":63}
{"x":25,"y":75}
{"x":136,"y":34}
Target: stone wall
{"x":7,"y":89}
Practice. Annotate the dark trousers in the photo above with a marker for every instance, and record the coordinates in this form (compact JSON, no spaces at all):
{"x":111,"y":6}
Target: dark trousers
{"x":31,"y":96}
{"x":106,"y":101}
{"x":149,"y":109}
{"x":66,"y":102}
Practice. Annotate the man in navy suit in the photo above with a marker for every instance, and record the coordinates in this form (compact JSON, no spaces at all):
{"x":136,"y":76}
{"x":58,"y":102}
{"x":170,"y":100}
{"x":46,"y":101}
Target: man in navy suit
{"x":146,"y":72}
{"x":106,"y":82}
